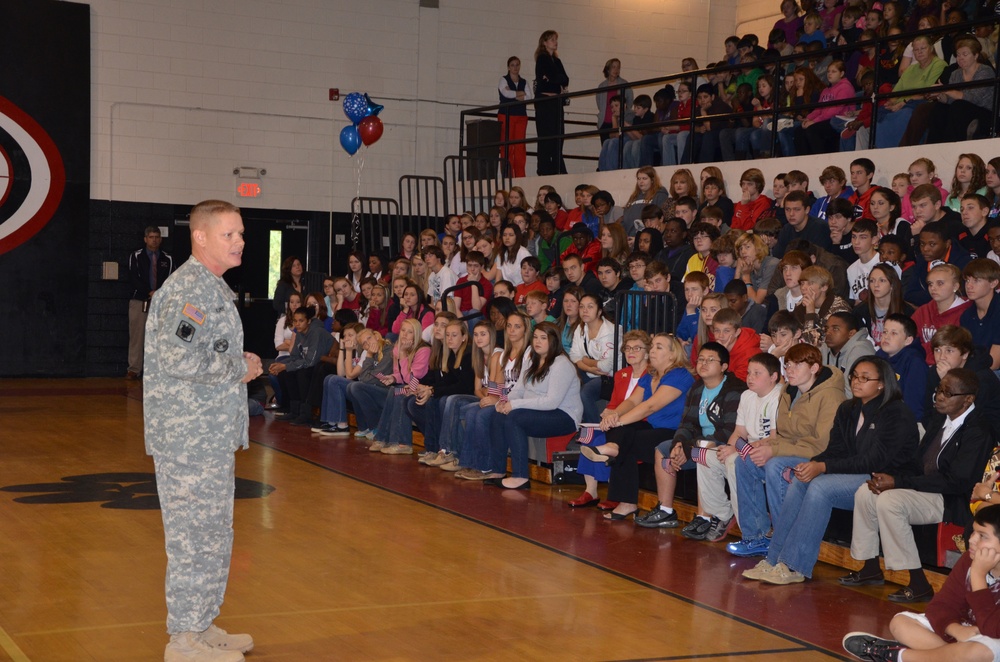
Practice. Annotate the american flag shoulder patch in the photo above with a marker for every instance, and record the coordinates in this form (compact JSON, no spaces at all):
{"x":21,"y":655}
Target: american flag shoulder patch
{"x":194,"y":314}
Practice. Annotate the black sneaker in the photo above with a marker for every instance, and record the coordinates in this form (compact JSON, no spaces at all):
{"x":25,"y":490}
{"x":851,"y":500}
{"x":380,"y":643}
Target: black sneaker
{"x":697,"y":529}
{"x":870,"y":648}
{"x":323,"y":426}
{"x":657,"y":518}
{"x":335,"y":431}
{"x":285,"y":415}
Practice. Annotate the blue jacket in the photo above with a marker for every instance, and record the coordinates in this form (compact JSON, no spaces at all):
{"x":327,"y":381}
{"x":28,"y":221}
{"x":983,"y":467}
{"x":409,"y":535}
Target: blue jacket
{"x":910,"y":365}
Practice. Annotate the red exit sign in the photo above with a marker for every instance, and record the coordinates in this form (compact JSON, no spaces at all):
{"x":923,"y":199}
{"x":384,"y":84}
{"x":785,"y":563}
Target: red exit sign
{"x":248,"y":190}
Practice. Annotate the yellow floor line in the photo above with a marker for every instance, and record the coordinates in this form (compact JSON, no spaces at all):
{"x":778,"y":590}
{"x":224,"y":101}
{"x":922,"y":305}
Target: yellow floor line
{"x":299,"y":612}
{"x":9,"y":647}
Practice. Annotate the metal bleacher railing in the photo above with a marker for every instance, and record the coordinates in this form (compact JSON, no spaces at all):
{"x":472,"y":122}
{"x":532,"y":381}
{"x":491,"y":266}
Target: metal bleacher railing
{"x":770,"y":65}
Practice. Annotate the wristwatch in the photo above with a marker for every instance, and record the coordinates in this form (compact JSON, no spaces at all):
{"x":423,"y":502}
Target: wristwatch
{"x":988,"y":497}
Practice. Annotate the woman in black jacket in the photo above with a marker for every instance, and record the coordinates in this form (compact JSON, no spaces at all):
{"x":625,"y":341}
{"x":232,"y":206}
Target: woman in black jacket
{"x":550,"y":80}
{"x":453,"y":376}
{"x":872,"y":432}
{"x":949,"y":463}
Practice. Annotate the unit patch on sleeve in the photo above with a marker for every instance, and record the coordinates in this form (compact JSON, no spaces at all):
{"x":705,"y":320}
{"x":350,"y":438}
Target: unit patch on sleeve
{"x":185,"y":331}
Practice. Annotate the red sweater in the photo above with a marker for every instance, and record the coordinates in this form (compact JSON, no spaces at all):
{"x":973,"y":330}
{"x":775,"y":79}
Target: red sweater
{"x":958,"y":603}
{"x":746,"y":215}
{"x":746,"y":345}
{"x":591,"y":255}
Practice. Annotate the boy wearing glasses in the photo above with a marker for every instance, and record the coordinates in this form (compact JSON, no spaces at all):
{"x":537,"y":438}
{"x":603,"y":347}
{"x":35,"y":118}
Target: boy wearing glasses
{"x":950,"y":459}
{"x":708,"y":423}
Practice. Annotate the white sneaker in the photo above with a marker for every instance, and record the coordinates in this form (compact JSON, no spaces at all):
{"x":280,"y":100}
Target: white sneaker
{"x":190,"y":647}
{"x":216,"y":637}
{"x":759,"y":571}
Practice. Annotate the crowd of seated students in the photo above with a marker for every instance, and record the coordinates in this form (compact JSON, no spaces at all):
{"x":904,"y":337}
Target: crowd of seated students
{"x":845,"y":78}
{"x":840,"y":354}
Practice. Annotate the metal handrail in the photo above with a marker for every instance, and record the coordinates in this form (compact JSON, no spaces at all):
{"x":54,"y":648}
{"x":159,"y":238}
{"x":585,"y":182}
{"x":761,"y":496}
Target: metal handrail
{"x":769,"y":66}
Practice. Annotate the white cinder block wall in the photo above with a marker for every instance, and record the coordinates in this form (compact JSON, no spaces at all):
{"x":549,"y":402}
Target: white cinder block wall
{"x":184,"y":91}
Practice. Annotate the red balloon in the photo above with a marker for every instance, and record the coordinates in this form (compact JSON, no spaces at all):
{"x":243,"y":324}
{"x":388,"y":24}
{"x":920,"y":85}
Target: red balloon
{"x":370,"y":129}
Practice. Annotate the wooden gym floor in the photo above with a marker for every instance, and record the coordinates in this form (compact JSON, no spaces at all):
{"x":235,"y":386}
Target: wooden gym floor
{"x":345,"y":555}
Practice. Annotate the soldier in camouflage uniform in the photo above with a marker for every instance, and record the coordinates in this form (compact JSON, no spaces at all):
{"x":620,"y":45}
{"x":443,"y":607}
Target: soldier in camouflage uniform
{"x":195,"y":406}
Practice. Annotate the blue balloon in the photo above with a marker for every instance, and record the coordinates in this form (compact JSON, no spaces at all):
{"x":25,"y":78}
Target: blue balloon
{"x":372,"y":108}
{"x":355,"y":107}
{"x":350,"y":139}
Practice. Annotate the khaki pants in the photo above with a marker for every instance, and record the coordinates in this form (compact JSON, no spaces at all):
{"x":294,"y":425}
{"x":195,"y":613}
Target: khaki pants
{"x":891,"y":516}
{"x":136,"y":335}
{"x":712,"y":479}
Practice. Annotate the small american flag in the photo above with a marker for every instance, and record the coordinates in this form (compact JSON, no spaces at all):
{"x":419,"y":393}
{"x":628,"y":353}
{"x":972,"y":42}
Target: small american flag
{"x":700,"y":455}
{"x":380,"y":376}
{"x":586,"y":435}
{"x":743,"y":447}
{"x":503,"y":395}
{"x":399,"y":390}
{"x":494,"y":389}
{"x":668,"y":466}
{"x":787,"y":474}
{"x":413,"y":383}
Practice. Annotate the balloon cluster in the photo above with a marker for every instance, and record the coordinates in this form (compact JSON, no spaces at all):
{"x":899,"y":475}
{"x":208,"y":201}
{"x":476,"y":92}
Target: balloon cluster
{"x":366,"y":127}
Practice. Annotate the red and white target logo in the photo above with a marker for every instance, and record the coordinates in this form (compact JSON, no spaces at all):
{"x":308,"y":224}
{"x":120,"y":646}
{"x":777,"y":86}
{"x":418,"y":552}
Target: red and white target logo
{"x":32,"y":177}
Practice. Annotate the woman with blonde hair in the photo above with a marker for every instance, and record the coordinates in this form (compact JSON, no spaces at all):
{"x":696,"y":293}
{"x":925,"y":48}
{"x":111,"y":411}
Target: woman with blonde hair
{"x":648,"y":417}
{"x":410,"y":360}
{"x":517,"y":199}
{"x":648,"y":191}
{"x":754,"y":265}
{"x":369,"y":392}
{"x":485,"y":357}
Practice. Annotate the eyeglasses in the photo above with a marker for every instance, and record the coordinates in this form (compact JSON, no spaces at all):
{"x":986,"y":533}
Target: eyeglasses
{"x":864,"y":379}
{"x":948,"y":394}
{"x":634,"y":348}
{"x":705,"y":360}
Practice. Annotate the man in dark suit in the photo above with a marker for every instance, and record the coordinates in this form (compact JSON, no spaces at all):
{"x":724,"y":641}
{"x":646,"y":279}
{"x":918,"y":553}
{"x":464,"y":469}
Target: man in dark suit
{"x":148,"y":267}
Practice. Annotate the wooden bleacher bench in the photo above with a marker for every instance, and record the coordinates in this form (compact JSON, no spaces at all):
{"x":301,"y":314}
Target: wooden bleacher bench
{"x":936,"y":539}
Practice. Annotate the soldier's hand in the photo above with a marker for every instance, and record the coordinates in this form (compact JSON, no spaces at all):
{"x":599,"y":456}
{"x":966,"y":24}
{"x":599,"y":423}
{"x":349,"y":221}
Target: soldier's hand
{"x":254,"y":367}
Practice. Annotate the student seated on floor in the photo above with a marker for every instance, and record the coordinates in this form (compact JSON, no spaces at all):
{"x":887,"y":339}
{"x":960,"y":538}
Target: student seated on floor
{"x":962,"y":622}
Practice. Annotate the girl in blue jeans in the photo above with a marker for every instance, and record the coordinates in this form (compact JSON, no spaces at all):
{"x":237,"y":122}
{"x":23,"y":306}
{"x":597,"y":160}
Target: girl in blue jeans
{"x":485,"y":360}
{"x":873,"y":432}
{"x":479,"y":458}
{"x":545,"y":401}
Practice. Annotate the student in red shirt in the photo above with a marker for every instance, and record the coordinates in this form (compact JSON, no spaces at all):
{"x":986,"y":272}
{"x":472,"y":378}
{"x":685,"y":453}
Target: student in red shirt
{"x":469,"y":298}
{"x":754,"y":204}
{"x":584,"y":245}
{"x":862,"y":172}
{"x":530,"y":268}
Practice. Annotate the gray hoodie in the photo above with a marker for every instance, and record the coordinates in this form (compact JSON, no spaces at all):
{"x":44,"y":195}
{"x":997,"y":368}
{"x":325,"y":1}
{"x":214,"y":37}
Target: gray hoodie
{"x":859,"y":345}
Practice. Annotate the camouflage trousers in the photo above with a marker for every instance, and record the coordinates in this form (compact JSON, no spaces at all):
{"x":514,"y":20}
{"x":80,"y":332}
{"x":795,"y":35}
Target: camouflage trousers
{"x":196,"y":501}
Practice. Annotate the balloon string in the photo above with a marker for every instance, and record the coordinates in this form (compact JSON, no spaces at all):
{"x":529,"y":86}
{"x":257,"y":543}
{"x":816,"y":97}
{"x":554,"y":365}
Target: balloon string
{"x":356,"y":218}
